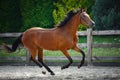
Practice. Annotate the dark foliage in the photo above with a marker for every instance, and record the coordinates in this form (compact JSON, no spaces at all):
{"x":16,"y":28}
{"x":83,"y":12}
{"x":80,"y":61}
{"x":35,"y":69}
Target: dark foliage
{"x":107,"y":14}
{"x":10,"y":16}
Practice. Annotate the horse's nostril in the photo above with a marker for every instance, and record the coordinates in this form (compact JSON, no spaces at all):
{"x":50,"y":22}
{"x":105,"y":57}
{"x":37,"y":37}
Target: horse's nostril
{"x":92,"y":24}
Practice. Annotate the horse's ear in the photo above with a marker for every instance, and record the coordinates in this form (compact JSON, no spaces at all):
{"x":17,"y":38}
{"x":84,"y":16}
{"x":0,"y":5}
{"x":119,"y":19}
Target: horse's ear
{"x":80,"y":10}
{"x":84,"y":10}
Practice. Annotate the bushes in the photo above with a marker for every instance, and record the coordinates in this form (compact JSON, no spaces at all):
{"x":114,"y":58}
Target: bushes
{"x":107,"y":14}
{"x":37,"y":13}
{"x":10,"y":16}
{"x":62,"y":7}
{"x":16,"y":16}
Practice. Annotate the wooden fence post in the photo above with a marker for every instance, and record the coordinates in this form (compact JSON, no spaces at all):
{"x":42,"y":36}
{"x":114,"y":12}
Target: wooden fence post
{"x":89,"y":46}
{"x":28,"y":56}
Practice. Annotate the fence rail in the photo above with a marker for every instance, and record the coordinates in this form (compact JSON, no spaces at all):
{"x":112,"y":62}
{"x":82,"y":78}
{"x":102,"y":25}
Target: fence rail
{"x":80,"y":33}
{"x":8,"y":35}
{"x":106,"y":32}
{"x":98,"y":45}
{"x":88,"y":45}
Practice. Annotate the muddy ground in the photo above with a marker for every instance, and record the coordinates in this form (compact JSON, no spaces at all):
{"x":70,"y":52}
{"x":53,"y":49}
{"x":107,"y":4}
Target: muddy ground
{"x":72,"y":73}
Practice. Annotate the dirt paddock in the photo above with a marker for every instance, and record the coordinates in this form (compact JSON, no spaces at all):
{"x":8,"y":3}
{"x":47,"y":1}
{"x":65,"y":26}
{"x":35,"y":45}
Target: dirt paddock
{"x":72,"y":73}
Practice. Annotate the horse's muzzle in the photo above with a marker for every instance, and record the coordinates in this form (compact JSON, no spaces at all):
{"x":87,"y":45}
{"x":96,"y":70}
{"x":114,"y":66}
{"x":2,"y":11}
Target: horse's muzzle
{"x":92,"y":24}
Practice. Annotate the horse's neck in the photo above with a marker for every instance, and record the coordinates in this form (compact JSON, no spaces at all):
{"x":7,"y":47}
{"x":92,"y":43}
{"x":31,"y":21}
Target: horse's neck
{"x":72,"y":26}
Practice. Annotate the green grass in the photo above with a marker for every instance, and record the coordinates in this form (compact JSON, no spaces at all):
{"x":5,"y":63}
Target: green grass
{"x":20,"y":52}
{"x":106,"y":39}
{"x":106,"y":52}
{"x":101,"y":39}
{"x":96,"y":52}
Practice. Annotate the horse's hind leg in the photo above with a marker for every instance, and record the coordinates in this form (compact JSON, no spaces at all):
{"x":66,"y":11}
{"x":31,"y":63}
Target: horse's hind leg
{"x":48,"y":69}
{"x":33,"y":56}
{"x":40,"y":59}
{"x":69,"y":58}
{"x":83,"y":55}
{"x":40,"y":54}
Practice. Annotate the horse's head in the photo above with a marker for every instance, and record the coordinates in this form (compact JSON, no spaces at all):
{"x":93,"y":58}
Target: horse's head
{"x":85,"y":18}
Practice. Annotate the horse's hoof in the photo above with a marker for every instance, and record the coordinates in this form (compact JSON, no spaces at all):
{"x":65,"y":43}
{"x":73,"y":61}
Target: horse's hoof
{"x":79,"y":66}
{"x":52,"y":73}
{"x":44,"y":72}
{"x":40,"y":66}
{"x":63,"y":67}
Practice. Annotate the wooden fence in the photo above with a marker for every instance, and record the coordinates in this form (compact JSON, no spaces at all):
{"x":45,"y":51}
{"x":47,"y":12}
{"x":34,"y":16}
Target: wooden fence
{"x":89,"y":33}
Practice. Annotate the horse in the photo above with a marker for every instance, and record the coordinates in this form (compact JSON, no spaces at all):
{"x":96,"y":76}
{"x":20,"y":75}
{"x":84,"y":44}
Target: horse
{"x":62,"y":37}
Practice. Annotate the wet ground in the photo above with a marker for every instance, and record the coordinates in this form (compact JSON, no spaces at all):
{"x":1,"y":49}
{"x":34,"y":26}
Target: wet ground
{"x":72,"y":73}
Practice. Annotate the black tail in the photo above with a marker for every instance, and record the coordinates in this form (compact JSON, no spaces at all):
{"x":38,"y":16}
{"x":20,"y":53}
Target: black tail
{"x":14,"y":45}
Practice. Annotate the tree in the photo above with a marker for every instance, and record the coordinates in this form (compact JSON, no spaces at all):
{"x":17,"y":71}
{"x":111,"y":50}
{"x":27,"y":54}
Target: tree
{"x":107,"y":14}
{"x":37,"y":13}
{"x":10,"y":16}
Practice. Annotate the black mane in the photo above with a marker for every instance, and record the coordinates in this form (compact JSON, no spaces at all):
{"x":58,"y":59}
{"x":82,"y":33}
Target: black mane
{"x":67,"y":18}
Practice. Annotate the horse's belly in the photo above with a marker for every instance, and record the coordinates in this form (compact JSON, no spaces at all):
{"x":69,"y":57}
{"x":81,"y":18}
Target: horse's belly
{"x":57,"y":47}
{"x":49,"y":44}
{"x":55,"y":44}
{"x":49,"y":47}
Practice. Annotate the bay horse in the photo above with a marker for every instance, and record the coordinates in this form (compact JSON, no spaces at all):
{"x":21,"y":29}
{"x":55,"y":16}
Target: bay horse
{"x":63,"y":37}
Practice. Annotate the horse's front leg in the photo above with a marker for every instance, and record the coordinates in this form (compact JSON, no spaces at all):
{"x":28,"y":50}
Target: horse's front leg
{"x":83,"y":55}
{"x":69,"y":58}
